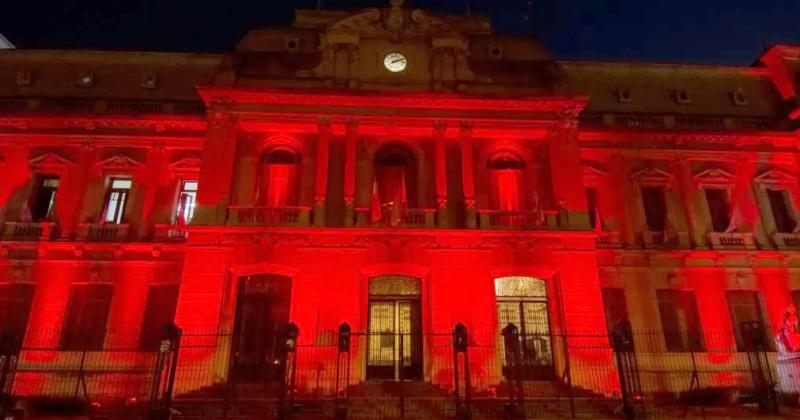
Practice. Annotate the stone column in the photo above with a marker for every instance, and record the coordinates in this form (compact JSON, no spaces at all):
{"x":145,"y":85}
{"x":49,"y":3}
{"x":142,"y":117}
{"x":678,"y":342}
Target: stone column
{"x":566,"y":173}
{"x":440,"y":148}
{"x":351,"y":143}
{"x":467,"y":173}
{"x":216,"y":171}
{"x":321,"y":178}
{"x":151,"y":180}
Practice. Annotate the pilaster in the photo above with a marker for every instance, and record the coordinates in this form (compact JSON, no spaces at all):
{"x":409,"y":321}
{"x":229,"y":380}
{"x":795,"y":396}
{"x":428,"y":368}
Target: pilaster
{"x":468,"y":173}
{"x":440,"y":153}
{"x":216,"y":171}
{"x":566,"y":171}
{"x":321,"y":176}
{"x":351,"y":144}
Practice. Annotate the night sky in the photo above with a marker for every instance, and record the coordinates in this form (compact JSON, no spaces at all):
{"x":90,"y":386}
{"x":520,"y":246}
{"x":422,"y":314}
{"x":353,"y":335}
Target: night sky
{"x":710,"y":31}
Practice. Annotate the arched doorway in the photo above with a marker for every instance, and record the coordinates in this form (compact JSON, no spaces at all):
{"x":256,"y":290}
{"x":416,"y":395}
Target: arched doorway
{"x":394,"y":188}
{"x":506,"y":173}
{"x":262,"y":314}
{"x":279,"y":178}
{"x":522,"y":301}
{"x":394,"y":328}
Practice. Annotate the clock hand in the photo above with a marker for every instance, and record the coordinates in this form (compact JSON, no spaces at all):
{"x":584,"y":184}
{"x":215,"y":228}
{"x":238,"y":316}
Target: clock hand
{"x":398,"y":60}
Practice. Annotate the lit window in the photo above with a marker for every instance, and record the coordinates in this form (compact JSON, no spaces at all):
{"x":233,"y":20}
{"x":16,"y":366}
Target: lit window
{"x":43,"y":198}
{"x":117,"y":199}
{"x":680,"y":320}
{"x":187,"y":200}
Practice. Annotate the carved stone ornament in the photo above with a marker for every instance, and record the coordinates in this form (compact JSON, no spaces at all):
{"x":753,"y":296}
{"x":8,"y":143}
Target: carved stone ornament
{"x":520,"y":287}
{"x":395,"y":285}
{"x":776,"y":178}
{"x":189,"y":163}
{"x":652,"y":176}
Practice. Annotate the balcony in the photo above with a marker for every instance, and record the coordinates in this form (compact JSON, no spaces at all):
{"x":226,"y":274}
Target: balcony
{"x":787,"y":240}
{"x":170,"y":233}
{"x":734,"y":240}
{"x":655,"y":239}
{"x":103,"y":232}
{"x":269,"y":216}
{"x":499,"y":219}
{"x":408,"y":218}
{"x":28,"y":231}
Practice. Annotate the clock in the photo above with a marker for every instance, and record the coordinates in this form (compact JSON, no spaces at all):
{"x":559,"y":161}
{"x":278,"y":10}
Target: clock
{"x":395,"y":62}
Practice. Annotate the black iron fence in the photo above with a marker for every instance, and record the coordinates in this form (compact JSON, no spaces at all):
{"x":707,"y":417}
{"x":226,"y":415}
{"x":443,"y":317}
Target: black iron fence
{"x":454,"y":374}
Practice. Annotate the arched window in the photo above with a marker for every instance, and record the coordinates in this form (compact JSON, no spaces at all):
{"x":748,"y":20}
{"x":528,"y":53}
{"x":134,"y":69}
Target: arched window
{"x":279,"y":182}
{"x":394,"y":185}
{"x":506,"y":181}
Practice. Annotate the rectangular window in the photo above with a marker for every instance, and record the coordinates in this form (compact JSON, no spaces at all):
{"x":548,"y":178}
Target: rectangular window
{"x":680,"y":320}
{"x":43,"y":198}
{"x":186,"y":202}
{"x":718,"y":208}
{"x":160,"y":310}
{"x":655,"y":208}
{"x":15,"y":306}
{"x":781,"y":211}
{"x":615,"y":307}
{"x":87,"y":314}
{"x":745,"y":310}
{"x":591,"y":204}
{"x":116,"y":199}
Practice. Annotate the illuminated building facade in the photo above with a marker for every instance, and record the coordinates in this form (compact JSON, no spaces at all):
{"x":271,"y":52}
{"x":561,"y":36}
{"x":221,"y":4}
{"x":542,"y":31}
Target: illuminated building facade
{"x":401,"y":172}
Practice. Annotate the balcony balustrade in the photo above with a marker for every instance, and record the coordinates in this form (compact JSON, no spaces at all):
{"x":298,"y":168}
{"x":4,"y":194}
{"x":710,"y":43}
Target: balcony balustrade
{"x":787,"y":240}
{"x":408,"y":218}
{"x":608,"y":239}
{"x":656,"y":239}
{"x":28,"y":231}
{"x":103,"y":232}
{"x":499,"y":219}
{"x":269,"y":216}
{"x":732,"y":240}
{"x":170,"y":233}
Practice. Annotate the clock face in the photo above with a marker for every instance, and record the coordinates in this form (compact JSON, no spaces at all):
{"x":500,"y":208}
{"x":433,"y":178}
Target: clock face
{"x":395,"y":62}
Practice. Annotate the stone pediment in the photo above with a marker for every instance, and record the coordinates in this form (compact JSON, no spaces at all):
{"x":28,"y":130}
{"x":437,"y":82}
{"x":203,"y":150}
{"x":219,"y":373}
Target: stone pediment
{"x":119,"y":163}
{"x":776,"y":177}
{"x":652,"y":176}
{"x":394,"y":22}
{"x":49,"y":161}
{"x":189,"y":163}
{"x":714,"y":177}
{"x":592,"y":174}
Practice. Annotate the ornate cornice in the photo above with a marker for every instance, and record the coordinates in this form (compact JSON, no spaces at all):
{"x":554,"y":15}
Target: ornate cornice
{"x":157,"y":125}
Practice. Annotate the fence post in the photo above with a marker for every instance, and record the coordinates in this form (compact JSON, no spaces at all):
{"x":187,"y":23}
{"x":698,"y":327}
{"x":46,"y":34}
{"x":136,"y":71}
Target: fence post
{"x":760,"y":371}
{"x":627,"y":367}
{"x":10,"y":347}
{"x":164,"y":374}
{"x":400,"y":379}
{"x":342,"y":363}
{"x":289,"y":355}
{"x":460,"y":344}
{"x":511,"y":343}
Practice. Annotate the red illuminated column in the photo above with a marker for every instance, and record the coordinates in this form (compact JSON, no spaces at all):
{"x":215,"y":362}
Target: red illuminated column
{"x":71,"y":193}
{"x":127,"y":305}
{"x":773,"y":283}
{"x":440,"y":145}
{"x":351,"y":140}
{"x":216,"y":171}
{"x":321,"y":178}
{"x":468,"y":173}
{"x":566,"y":171}
{"x":709,"y":285}
{"x":687,"y":192}
{"x":49,"y":306}
{"x":247,"y":165}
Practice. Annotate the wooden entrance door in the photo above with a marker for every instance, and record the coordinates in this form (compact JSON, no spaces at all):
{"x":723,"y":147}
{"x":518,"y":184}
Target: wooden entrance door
{"x":394,"y":339}
{"x":262,"y":314}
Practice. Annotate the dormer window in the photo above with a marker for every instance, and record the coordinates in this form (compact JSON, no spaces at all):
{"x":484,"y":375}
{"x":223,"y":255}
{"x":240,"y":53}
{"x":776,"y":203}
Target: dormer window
{"x":682,"y":97}
{"x":739,"y":98}
{"x":86,"y":80}
{"x":624,"y":95}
